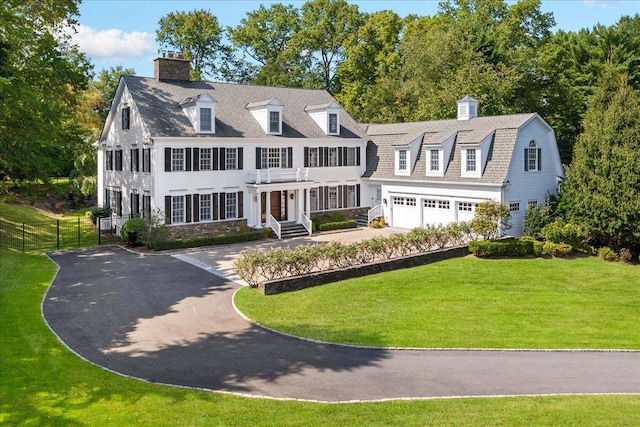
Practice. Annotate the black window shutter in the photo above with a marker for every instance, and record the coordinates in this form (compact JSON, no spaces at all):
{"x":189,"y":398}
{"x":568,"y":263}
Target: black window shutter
{"x":146,"y":160}
{"x":240,"y":158}
{"x":167,"y":209}
{"x":131,"y":161}
{"x":341,"y":155}
{"x":187,"y":158}
{"x":223,"y":205}
{"x":196,"y":207}
{"x":290,"y":157}
{"x":119,"y":202}
{"x":357,"y":156}
{"x":342,"y":196}
{"x":526,"y":159}
{"x":223,"y":159}
{"x":214,"y":205}
{"x":240,"y":205}
{"x":320,"y":198}
{"x":137,"y":162}
{"x":258,"y":157}
{"x":306,"y":157}
{"x":107,"y":199}
{"x":320,"y":156}
{"x":326,"y":197}
{"x":196,"y":159}
{"x":539,"y":159}
{"x":137,"y":205}
{"x":326,"y":156}
{"x":167,"y":159}
{"x":358,"y":194}
{"x":119,"y":160}
{"x":187,"y":208}
{"x":214,"y":158}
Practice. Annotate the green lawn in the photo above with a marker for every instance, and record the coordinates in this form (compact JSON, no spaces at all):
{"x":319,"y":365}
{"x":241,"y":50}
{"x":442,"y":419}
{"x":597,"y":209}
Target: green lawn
{"x":467,"y":302}
{"x":42,"y":383}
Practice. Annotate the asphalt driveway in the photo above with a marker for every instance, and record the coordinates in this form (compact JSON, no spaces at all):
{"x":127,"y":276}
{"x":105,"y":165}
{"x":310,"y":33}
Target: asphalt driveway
{"x":160,"y":319}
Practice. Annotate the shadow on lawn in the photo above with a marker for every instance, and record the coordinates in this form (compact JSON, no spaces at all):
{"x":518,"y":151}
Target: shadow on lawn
{"x":157,"y":318}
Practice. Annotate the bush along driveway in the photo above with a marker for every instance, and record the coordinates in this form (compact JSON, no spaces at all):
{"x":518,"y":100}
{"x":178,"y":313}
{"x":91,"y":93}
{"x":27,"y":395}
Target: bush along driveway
{"x":162,"y":320}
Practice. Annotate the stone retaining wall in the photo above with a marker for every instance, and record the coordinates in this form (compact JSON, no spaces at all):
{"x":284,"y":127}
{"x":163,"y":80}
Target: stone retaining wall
{"x":348,"y":213}
{"x":206,"y":229}
{"x":321,"y":278}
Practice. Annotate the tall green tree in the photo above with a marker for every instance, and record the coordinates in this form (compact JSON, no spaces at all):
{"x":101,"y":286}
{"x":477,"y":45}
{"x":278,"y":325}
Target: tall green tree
{"x":41,"y":79}
{"x":319,"y":45}
{"x":602,"y":188}
{"x":371,"y":58}
{"x":106,"y":85}
{"x":198,"y":35}
{"x":265,"y":37}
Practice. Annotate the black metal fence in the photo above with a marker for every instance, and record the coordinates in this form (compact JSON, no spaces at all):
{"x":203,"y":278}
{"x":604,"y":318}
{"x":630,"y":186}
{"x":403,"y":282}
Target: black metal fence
{"x":39,"y":236}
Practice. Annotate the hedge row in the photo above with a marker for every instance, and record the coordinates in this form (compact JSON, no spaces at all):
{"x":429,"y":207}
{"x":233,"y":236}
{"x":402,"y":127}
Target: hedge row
{"x":341,"y":225}
{"x":516,"y":248}
{"x":256,"y":267}
{"x":224,"y":239}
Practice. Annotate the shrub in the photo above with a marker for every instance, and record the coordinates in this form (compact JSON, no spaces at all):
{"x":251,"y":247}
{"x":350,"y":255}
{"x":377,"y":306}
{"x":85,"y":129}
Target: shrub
{"x":490,"y":218}
{"x":89,"y":186}
{"x":607,"y":254}
{"x":337,"y":217}
{"x":538,"y":248}
{"x":626,"y":255}
{"x":98,"y":212}
{"x":137,"y":225}
{"x":535,"y":218}
{"x":491,"y":248}
{"x":562,"y":232}
{"x":378,"y":223}
{"x":224,"y":239}
{"x":338,"y":225}
{"x":556,"y":249}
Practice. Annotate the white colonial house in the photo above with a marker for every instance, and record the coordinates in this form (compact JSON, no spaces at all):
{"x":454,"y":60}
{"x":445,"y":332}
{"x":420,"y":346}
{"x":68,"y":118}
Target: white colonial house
{"x":213,"y":157}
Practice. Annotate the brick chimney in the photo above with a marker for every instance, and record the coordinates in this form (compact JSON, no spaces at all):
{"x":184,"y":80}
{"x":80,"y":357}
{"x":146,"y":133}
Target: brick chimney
{"x":171,"y":66}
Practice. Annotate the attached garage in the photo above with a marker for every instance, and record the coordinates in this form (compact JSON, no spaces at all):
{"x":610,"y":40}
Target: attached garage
{"x":405,"y":213}
{"x":436,"y":212}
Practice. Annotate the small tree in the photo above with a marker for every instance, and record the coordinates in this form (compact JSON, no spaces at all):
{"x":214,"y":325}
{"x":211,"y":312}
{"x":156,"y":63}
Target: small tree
{"x":535,"y":217}
{"x":490,"y":219}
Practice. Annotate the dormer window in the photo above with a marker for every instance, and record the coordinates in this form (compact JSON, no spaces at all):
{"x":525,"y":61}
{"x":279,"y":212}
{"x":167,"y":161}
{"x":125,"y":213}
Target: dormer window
{"x":274,"y":122}
{"x":201,"y":111}
{"x":327,"y":116}
{"x":472,"y":162}
{"x":205,"y":119}
{"x":268,"y":114}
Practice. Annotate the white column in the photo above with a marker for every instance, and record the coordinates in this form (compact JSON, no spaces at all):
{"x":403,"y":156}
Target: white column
{"x":307,"y":203}
{"x":258,"y":210}
{"x":268,"y":208}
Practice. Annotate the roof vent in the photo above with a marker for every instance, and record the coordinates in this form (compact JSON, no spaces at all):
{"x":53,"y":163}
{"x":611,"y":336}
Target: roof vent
{"x":467,"y":108}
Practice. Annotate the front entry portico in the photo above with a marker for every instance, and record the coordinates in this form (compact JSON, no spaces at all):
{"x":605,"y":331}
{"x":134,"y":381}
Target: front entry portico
{"x":278,"y":202}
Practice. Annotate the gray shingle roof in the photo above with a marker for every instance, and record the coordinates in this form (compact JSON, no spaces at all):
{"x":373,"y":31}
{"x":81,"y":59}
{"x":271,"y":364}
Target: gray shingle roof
{"x":383,"y":138}
{"x":158,"y":104}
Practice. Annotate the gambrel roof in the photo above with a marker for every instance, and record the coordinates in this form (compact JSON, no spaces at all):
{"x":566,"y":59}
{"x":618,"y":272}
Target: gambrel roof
{"x":384,"y":137}
{"x":159,"y":105}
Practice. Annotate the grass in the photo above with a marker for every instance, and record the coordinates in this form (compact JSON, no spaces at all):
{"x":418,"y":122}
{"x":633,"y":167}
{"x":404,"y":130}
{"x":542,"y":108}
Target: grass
{"x":467,"y":302}
{"x":43,"y":383}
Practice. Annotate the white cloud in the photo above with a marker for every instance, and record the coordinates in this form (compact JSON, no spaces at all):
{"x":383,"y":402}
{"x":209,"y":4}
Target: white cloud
{"x":112,"y":43}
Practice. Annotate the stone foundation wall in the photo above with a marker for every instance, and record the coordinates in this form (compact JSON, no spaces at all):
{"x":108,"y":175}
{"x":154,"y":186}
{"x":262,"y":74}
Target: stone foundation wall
{"x":348,"y":213}
{"x":206,"y":229}
{"x":321,"y":278}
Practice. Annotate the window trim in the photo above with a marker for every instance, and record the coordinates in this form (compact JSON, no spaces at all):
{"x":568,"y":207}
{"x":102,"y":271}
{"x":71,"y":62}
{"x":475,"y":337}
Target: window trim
{"x":471,"y":159}
{"x":209,"y":121}
{"x":336,"y":130}
{"x":402,"y":161}
{"x":278,"y":122}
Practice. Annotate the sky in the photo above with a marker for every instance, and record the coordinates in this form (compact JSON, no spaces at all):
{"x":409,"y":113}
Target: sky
{"x":122,"y":32}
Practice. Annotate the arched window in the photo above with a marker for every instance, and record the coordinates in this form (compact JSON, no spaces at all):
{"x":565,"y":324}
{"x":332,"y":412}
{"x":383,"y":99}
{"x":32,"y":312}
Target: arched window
{"x":532,"y":157}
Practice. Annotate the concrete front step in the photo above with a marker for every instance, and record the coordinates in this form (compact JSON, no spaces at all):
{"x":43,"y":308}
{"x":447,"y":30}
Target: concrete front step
{"x":292,"y":230}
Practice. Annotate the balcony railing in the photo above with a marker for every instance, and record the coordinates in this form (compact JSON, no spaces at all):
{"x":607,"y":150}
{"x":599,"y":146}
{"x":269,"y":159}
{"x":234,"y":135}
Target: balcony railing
{"x":267,"y":176}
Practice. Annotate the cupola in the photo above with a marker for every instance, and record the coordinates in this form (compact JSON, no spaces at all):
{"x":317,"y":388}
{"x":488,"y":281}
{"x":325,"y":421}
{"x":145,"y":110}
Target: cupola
{"x":467,"y":108}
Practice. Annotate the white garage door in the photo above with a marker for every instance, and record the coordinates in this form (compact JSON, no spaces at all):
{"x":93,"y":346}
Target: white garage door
{"x":405,"y":212}
{"x":436,"y":212}
{"x":466,"y":211}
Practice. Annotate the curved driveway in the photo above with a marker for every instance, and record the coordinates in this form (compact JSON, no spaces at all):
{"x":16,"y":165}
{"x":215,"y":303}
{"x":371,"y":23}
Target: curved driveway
{"x":160,"y":319}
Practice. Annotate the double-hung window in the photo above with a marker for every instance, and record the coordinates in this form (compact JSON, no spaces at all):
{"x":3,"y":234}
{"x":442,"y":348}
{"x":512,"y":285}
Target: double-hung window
{"x":471,"y":159}
{"x":205,"y":120}
{"x":126,"y":118}
{"x":205,"y":207}
{"x":177,"y":159}
{"x":274,"y":122}
{"x":352,"y":197}
{"x":333,"y":197}
{"x":205,"y":159}
{"x":434,"y":165}
{"x":274,"y":158}
{"x":351,"y":156}
{"x":333,"y":156}
{"x":231,"y":205}
{"x":313,"y":199}
{"x":532,"y":157}
{"x":333,"y":123}
{"x":177,"y":209}
{"x":313,"y":157}
{"x":402,"y":160}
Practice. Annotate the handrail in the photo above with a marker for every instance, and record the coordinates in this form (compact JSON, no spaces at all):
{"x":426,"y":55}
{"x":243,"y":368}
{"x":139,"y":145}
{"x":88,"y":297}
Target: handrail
{"x":374,"y":213}
{"x":267,"y":176}
{"x":275,"y":226}
{"x":306,"y":222}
